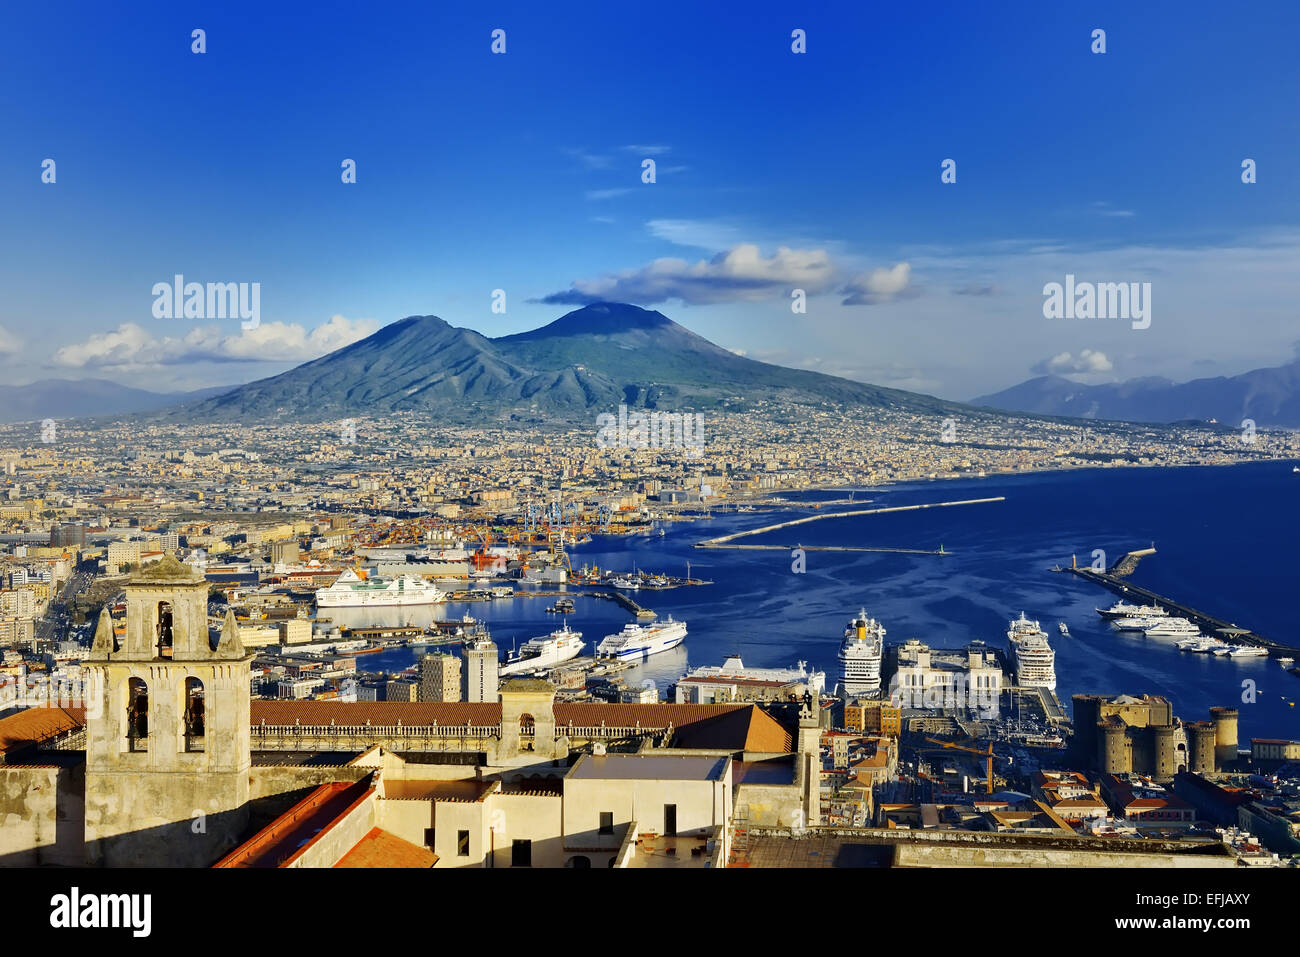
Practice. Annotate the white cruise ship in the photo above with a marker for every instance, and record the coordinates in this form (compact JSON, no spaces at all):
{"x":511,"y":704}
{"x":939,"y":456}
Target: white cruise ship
{"x":864,"y":639}
{"x":1035,"y":659}
{"x":1172,"y":628}
{"x":351,"y":590}
{"x":548,"y":651}
{"x":641,"y":641}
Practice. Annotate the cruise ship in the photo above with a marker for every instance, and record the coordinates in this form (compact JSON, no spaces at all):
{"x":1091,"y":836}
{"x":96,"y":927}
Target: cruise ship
{"x":548,"y":651}
{"x":1172,"y":628}
{"x":864,"y":639}
{"x":636,"y":642}
{"x":1035,"y":659}
{"x":351,"y":590}
{"x":1122,"y":609}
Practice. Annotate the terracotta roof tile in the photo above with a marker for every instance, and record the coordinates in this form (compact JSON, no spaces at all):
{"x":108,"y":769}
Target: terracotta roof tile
{"x":35,"y":725}
{"x":382,"y":849}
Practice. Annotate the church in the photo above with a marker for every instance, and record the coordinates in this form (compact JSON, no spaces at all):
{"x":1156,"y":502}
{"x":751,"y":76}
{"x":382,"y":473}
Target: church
{"x":171,"y":762}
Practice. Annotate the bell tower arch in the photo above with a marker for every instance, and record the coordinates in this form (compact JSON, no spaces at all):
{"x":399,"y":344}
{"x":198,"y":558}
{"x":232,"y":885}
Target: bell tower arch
{"x":167,"y":728}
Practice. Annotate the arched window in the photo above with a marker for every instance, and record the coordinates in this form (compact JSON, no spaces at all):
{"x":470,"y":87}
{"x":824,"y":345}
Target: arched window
{"x":137,"y":714}
{"x":580,"y":862}
{"x":164,"y":629}
{"x":194,"y":714}
{"x":527,"y":727}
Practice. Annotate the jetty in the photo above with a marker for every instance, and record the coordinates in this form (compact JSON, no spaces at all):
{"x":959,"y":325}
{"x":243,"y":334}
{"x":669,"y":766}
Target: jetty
{"x":1113,"y":580}
{"x":725,"y":541}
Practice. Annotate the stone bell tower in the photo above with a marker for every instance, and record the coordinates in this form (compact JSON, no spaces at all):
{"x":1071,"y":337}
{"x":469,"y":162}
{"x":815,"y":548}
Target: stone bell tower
{"x":167,"y":728}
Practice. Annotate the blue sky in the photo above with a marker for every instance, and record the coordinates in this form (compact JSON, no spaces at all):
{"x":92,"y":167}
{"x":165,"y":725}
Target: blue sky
{"x":775,"y":170}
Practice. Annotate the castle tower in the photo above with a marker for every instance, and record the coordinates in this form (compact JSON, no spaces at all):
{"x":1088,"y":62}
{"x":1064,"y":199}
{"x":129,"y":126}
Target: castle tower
{"x":1225,"y":735}
{"x":167,"y":728}
{"x":1202,"y":747}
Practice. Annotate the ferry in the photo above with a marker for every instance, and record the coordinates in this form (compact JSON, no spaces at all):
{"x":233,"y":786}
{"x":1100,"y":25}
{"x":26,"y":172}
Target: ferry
{"x":1035,"y":659}
{"x":637,"y":642}
{"x":1172,"y":628}
{"x":860,"y":652}
{"x":536,"y":654}
{"x":351,"y":590}
{"x":1122,"y":609}
{"x":734,"y":667}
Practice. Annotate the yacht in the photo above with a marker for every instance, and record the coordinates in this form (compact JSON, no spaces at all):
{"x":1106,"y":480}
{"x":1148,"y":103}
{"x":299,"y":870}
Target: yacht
{"x":1248,"y":651}
{"x":353,"y":590}
{"x":641,"y":641}
{"x":1035,"y":659}
{"x":1122,"y":609}
{"x":1138,"y":622}
{"x":539,"y":653}
{"x":1065,"y":632}
{"x":864,"y":640}
{"x":1172,"y":628}
{"x":1200,"y":644}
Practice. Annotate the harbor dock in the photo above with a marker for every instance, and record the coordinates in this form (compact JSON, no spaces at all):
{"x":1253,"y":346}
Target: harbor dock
{"x":1113,"y":580}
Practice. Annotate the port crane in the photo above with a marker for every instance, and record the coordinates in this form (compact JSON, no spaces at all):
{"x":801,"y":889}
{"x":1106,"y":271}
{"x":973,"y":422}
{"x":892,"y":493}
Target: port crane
{"x":986,"y":753}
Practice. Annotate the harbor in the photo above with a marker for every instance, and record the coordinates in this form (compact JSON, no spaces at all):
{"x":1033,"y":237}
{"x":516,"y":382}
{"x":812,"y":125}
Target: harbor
{"x":1113,"y":579}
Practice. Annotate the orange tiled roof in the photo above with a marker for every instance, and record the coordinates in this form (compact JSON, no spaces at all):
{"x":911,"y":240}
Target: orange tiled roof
{"x":381,"y":849}
{"x":289,"y":835}
{"x":38,"y":724}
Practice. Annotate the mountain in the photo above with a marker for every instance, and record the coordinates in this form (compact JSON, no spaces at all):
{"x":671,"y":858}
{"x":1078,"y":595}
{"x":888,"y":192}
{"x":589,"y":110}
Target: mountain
{"x":1269,"y":396}
{"x":587,"y":361}
{"x":73,"y":399}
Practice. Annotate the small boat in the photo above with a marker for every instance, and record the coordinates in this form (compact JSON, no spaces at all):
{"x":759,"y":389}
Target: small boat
{"x":1064,"y":631}
{"x":1288,"y":660}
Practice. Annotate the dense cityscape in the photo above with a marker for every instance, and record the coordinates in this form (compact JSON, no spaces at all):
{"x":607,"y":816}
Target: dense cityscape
{"x":276,"y":539}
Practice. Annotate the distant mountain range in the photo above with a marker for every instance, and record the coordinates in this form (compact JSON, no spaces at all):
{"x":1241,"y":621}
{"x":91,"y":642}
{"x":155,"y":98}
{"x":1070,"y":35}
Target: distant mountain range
{"x":586,"y":362}
{"x":1271,"y":397}
{"x":74,"y":399}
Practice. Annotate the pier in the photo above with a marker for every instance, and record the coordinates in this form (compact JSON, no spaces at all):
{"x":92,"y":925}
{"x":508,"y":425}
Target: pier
{"x":724,"y":541}
{"x":614,"y":595}
{"x":1113,"y":580}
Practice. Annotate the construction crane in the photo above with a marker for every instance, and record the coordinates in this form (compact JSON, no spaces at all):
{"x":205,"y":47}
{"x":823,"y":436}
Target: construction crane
{"x":986,"y":753}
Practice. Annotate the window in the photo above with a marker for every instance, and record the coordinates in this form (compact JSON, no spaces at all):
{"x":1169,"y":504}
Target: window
{"x":137,"y":714}
{"x":606,"y":822}
{"x":670,"y":820}
{"x":429,"y":836}
{"x":521,"y":854}
{"x":164,"y":629}
{"x":194,"y":714}
{"x":462,"y":843}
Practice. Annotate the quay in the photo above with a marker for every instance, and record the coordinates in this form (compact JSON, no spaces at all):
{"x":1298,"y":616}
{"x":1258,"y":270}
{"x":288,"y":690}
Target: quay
{"x":1113,"y":580}
{"x":615,"y":595}
{"x":723,"y":540}
{"x":835,"y":548}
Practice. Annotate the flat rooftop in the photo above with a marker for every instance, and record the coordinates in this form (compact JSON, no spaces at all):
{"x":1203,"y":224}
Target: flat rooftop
{"x":663,"y":767}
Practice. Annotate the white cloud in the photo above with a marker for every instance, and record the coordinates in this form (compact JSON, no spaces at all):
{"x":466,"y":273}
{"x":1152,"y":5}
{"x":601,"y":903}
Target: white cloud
{"x":879,"y":285}
{"x":1087,"y":362}
{"x":742,"y":274}
{"x":131,"y":346}
{"x":9,"y":343}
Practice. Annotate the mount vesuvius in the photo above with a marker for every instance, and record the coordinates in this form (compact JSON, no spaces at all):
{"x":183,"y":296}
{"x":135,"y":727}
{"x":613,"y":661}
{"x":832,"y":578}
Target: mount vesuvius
{"x":587,"y":361}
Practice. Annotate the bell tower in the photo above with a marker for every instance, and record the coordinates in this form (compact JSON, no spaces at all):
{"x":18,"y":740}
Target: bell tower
{"x":167,"y":728}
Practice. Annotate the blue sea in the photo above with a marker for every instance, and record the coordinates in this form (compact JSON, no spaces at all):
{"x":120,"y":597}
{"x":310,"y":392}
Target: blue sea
{"x":1224,"y":537}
